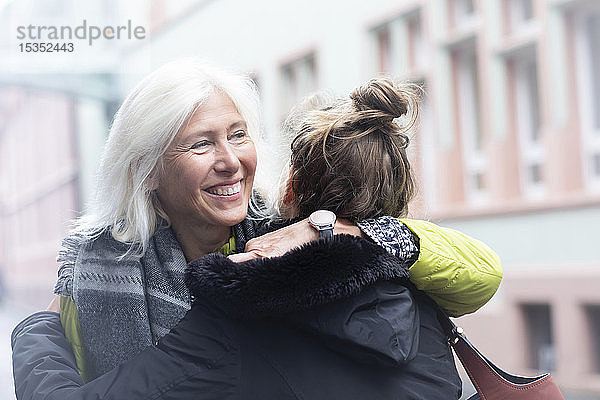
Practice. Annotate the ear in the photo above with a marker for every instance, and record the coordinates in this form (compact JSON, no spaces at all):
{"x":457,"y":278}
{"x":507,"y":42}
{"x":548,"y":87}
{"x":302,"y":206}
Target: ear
{"x":153,"y":183}
{"x":288,"y":195}
{"x":153,"y":179}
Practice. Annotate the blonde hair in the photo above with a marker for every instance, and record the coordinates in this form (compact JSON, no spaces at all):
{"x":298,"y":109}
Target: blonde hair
{"x":146,"y":123}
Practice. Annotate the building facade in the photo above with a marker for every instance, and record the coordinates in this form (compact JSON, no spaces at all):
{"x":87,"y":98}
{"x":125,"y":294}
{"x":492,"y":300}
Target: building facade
{"x":507,"y":149}
{"x":49,"y":149}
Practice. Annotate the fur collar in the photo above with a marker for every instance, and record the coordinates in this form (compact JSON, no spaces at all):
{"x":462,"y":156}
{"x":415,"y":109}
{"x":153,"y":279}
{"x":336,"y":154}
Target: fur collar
{"x":315,"y":274}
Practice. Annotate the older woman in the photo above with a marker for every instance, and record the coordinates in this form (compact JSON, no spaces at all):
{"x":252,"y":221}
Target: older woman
{"x":174,"y":184}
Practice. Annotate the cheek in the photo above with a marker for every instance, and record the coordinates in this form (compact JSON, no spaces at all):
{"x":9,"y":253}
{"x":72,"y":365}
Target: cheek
{"x":185,"y":176}
{"x":249,"y":160}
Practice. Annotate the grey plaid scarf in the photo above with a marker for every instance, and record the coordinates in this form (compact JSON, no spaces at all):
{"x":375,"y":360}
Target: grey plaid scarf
{"x":129,"y":304}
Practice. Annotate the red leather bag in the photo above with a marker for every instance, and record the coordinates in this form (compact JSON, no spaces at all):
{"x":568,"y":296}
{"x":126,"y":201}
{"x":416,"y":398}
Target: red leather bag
{"x":491,"y":382}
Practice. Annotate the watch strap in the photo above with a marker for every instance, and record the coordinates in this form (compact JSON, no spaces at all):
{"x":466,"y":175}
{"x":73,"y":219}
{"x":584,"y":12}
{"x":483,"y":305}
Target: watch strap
{"x":326,"y":233}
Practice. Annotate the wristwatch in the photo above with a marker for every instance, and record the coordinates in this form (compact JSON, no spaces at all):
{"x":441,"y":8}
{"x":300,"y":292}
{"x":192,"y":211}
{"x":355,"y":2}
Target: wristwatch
{"x":323,"y":221}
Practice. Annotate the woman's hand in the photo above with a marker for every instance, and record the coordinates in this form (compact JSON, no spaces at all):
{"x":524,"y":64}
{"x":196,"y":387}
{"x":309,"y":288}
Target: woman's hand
{"x":281,"y":241}
{"x":54,"y":304}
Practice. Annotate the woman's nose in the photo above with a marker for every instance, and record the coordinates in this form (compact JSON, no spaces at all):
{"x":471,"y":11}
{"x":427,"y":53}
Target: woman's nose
{"x":227,"y":159}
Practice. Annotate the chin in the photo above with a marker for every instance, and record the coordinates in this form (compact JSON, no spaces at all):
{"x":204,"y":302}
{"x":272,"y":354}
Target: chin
{"x":233,"y":218}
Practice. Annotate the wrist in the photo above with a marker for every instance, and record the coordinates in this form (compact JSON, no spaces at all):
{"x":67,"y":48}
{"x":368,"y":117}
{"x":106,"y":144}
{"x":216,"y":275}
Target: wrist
{"x":344,"y":226}
{"x":324,"y":222}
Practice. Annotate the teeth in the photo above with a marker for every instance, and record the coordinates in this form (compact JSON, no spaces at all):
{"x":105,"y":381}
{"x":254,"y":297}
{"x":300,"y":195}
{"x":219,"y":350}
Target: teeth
{"x":226,"y":190}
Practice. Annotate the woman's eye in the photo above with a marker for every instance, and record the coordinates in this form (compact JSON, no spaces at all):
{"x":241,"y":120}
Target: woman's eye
{"x":238,"y":136}
{"x":200,"y":146}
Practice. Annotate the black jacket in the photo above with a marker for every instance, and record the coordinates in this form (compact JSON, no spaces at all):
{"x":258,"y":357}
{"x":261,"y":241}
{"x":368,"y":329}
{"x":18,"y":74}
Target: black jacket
{"x":335,"y":319}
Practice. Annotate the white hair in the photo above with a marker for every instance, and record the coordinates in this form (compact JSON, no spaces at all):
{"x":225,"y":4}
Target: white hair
{"x":146,"y":123}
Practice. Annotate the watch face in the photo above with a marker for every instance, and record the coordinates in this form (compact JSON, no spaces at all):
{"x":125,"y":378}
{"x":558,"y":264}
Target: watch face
{"x":322,"y":217}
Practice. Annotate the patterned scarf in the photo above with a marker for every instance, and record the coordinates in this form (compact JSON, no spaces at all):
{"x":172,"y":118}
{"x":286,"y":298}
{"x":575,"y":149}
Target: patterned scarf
{"x":126,"y":305}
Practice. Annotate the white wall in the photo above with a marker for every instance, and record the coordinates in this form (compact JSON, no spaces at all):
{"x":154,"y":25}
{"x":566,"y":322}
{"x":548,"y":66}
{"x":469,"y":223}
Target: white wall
{"x":557,"y":237}
{"x":259,"y":36}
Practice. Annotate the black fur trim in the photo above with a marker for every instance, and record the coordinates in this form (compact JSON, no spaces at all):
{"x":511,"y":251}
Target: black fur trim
{"x":317,"y":273}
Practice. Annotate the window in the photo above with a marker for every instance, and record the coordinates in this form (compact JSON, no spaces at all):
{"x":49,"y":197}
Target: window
{"x":593,"y":317}
{"x":463,"y":12}
{"x":427,"y":152}
{"x":593,"y":44}
{"x":467,"y":95}
{"x":468,"y":91}
{"x":596,"y":164}
{"x":520,"y":14}
{"x":478,"y":181}
{"x":527,"y":107}
{"x":399,"y":46}
{"x":540,"y":341}
{"x":299,"y":79}
{"x":534,"y":174}
{"x":384,"y":49}
{"x":588,"y":74}
{"x":417,"y":46}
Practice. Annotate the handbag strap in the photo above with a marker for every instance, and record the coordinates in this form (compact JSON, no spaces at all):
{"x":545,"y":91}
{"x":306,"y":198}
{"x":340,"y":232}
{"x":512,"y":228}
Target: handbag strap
{"x":490,"y":381}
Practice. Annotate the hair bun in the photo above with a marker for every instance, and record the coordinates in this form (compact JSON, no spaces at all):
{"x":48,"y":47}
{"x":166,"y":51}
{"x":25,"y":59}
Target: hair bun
{"x":380,"y":94}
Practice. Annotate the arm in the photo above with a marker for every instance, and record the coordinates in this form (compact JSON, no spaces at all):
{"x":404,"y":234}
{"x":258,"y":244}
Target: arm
{"x":69,"y":320}
{"x":45,"y":369}
{"x":459,"y":272}
{"x":278,"y":242}
{"x":42,"y":357}
{"x":47,"y":364}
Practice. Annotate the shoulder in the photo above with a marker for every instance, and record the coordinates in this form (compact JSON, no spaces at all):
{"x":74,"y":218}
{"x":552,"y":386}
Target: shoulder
{"x":99,"y":245}
{"x":67,"y":257}
{"x":459,"y":272}
{"x":42,"y":322}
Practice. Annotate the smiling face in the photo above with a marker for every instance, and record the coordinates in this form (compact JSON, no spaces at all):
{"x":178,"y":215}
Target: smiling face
{"x":208,"y":169}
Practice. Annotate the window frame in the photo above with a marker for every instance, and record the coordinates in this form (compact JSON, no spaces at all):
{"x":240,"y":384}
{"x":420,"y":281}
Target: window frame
{"x":532,"y":151}
{"x":590,"y":135}
{"x":471,"y":129}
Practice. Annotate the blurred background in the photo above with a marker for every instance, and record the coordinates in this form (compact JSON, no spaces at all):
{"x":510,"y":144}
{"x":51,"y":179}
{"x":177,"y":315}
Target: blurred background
{"x":507,"y":149}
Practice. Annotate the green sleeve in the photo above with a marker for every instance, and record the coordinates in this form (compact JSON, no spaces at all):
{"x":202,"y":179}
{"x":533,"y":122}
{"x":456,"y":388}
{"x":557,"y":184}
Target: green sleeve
{"x":70,"y":322}
{"x":460,"y":273}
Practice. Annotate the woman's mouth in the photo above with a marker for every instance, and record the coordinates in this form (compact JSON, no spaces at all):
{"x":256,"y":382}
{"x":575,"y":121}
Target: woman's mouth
{"x":225,"y":190}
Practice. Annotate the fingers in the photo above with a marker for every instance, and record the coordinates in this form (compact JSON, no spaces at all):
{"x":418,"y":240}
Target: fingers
{"x":240,"y":257}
